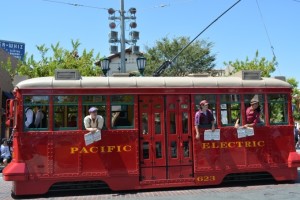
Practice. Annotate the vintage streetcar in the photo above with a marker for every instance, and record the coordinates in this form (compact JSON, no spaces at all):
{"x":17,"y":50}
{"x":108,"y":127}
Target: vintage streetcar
{"x":152,"y":144}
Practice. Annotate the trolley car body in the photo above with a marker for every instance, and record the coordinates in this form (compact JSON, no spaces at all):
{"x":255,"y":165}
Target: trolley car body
{"x":157,"y":147}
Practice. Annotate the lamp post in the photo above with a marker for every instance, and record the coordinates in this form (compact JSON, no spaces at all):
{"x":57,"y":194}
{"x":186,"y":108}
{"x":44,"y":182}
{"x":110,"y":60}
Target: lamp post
{"x":141,"y":63}
{"x":105,"y":65}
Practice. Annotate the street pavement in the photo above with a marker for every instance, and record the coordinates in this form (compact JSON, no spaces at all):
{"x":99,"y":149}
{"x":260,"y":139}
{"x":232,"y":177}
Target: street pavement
{"x":242,"y":191}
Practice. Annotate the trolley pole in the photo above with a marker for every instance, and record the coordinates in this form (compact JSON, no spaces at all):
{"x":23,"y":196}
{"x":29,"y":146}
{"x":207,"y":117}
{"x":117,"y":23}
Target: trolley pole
{"x":122,"y":17}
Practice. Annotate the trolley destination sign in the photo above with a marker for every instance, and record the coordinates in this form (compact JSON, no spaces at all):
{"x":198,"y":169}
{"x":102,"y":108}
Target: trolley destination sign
{"x":16,"y":49}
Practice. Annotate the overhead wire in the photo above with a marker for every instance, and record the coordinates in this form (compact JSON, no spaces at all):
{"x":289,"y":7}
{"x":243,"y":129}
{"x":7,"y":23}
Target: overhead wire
{"x":265,"y":27}
{"x":75,"y":4}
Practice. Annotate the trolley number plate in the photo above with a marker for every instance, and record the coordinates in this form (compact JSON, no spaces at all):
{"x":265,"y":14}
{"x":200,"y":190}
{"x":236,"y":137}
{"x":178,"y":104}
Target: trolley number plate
{"x":205,"y":178}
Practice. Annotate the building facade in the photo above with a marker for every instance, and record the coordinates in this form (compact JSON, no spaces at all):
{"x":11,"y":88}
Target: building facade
{"x":6,"y":86}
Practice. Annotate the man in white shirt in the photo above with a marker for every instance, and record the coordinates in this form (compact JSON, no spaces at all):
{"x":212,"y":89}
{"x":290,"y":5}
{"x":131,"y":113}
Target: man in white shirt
{"x":29,"y":123}
{"x":93,"y":122}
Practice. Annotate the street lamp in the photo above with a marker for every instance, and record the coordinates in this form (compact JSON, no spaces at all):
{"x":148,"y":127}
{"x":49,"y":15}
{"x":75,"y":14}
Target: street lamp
{"x":141,"y":63}
{"x":104,"y":63}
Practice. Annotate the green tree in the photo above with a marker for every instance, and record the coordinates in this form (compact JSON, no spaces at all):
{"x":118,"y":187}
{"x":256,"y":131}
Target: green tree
{"x":7,"y":66}
{"x":296,"y":97}
{"x":262,"y":64}
{"x":61,"y":59}
{"x":196,"y":58}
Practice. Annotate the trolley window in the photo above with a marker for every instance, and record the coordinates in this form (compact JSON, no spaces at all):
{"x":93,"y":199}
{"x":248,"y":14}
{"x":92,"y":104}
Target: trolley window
{"x":35,"y":113}
{"x":65,"y":112}
{"x":277,"y":105}
{"x":261,"y":108}
{"x":122,"y":115}
{"x":98,"y":101}
{"x":230,"y":109}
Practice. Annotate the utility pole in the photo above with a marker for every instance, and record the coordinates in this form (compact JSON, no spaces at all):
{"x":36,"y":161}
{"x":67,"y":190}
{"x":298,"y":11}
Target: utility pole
{"x":122,"y":16}
{"x":113,"y":36}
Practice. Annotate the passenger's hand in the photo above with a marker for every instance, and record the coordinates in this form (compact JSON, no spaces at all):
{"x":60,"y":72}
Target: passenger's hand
{"x":236,"y":126}
{"x":197,"y":136}
{"x":245,"y":126}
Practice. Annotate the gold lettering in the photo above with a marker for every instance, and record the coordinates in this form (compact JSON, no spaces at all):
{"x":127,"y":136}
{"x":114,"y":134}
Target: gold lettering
{"x":94,"y":151}
{"x":102,"y":149}
{"x":231,"y":145}
{"x":223,"y":145}
{"x":110,"y":148}
{"x":83,"y":150}
{"x":127,"y":148}
{"x":248,"y":144}
{"x":215,"y":145}
{"x":205,"y":146}
{"x":73,"y":150}
{"x":261,"y":143}
{"x":236,"y":144}
{"x":239,"y":143}
{"x":118,"y":148}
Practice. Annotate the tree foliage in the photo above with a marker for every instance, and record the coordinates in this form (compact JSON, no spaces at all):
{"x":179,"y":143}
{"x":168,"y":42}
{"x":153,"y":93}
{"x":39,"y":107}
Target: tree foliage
{"x":61,"y":59}
{"x":196,"y":58}
{"x":7,"y":66}
{"x":262,"y":64}
{"x":296,"y":97}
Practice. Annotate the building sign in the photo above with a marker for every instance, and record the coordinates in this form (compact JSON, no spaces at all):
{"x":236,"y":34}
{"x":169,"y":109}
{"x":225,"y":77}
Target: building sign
{"x":16,"y":49}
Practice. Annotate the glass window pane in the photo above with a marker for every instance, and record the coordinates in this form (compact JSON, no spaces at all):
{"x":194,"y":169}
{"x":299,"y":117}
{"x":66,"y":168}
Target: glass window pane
{"x":65,"y":116}
{"x":65,"y":99}
{"x":173,"y":149}
{"x":157,"y":123}
{"x":123,"y":117}
{"x":36,"y":112}
{"x":230,"y":109}
{"x":186,"y":149}
{"x":158,"y":153}
{"x":94,"y":99}
{"x":65,"y":112}
{"x":157,"y":106}
{"x":122,"y":99}
{"x":172,"y":123}
{"x":172,"y":106}
{"x":145,"y":150}
{"x":185,"y":119}
{"x":184,"y":106}
{"x":36,"y":100}
{"x":278,"y":108}
{"x":145,"y":123}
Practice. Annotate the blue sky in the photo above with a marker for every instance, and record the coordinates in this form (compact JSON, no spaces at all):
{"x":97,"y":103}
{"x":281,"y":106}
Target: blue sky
{"x":238,"y":34}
